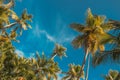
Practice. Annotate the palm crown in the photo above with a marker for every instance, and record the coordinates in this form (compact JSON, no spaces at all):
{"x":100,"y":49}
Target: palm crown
{"x":59,"y":50}
{"x":112,"y":75}
{"x":93,"y":34}
{"x":73,"y":73}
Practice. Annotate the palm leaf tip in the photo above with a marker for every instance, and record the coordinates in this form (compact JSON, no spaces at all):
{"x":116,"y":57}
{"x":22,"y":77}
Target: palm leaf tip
{"x":89,"y":13}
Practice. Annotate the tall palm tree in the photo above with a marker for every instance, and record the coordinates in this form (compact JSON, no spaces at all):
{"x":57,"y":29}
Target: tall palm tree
{"x":59,"y":50}
{"x":112,"y":75}
{"x":73,"y":73}
{"x":93,"y":33}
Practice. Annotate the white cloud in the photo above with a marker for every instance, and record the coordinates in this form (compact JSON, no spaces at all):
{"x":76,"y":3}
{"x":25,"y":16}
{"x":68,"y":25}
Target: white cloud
{"x":37,"y":32}
{"x":61,"y":37}
{"x":19,"y":52}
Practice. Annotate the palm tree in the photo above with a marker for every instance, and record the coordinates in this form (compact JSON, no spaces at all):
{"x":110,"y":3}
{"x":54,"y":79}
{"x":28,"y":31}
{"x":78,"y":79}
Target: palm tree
{"x":59,"y":50}
{"x":46,"y":68}
{"x":112,"y":75}
{"x":24,"y":18}
{"x":73,"y":73}
{"x":92,"y":34}
{"x":6,"y":14}
{"x":14,"y":67}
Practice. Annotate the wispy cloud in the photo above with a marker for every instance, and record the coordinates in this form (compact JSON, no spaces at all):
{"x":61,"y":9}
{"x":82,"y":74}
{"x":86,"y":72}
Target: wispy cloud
{"x":62,"y":34}
{"x":60,"y":37}
{"x":37,"y":32}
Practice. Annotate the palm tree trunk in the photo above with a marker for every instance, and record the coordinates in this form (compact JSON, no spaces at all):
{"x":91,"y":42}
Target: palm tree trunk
{"x":84,"y":60}
{"x":10,"y":25}
{"x":87,"y":71}
{"x":53,"y":56}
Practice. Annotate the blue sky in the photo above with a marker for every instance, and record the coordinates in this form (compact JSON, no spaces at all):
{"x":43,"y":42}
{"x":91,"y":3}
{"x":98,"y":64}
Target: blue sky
{"x":51,"y":25}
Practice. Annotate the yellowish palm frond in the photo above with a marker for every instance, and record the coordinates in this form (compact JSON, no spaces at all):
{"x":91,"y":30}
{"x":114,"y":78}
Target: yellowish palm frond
{"x":99,"y":20}
{"x":105,"y":38}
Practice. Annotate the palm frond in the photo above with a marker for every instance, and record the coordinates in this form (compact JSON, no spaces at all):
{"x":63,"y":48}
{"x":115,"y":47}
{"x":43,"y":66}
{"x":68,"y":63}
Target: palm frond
{"x":114,"y":23}
{"x":106,"y":38}
{"x":89,"y":18}
{"x":78,"y":41}
{"x":104,"y":56}
{"x":77,"y":27}
{"x":107,"y":26}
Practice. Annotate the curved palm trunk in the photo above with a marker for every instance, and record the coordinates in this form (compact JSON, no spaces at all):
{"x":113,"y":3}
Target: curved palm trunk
{"x":84,"y":60}
{"x":87,"y":71}
{"x":10,"y":25}
{"x":53,"y":56}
